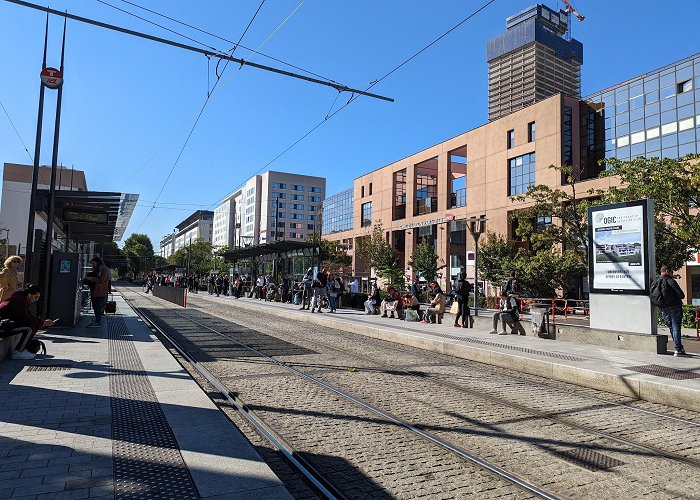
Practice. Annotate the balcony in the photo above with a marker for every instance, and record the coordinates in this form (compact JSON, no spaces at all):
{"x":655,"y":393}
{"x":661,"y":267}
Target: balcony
{"x":458,"y":198}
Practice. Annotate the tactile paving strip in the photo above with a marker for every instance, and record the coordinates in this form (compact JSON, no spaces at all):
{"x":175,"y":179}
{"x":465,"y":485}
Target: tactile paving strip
{"x":527,"y":350}
{"x":49,"y":368}
{"x":664,"y":371}
{"x":589,"y":459}
{"x":147,"y":461}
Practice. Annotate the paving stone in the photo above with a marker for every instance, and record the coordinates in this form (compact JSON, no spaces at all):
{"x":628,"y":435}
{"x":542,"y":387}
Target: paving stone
{"x":36,"y":489}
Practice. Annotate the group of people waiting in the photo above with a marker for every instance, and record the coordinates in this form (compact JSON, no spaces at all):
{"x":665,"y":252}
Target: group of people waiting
{"x":315,"y":289}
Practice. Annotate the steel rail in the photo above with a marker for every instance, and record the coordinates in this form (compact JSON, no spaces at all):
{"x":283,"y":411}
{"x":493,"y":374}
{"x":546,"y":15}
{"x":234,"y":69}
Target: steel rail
{"x":219,"y":55}
{"x":460,"y":452}
{"x":308,"y":471}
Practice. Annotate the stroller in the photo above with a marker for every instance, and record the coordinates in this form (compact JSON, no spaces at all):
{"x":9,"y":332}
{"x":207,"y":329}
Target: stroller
{"x":270,"y":295}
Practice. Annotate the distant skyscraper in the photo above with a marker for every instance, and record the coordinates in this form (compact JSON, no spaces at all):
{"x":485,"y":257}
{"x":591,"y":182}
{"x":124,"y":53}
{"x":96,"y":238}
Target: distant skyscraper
{"x":532,"y":60}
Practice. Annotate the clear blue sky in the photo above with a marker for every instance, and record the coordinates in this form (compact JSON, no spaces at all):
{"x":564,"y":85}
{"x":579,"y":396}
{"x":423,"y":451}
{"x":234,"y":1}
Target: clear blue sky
{"x":126,"y":99}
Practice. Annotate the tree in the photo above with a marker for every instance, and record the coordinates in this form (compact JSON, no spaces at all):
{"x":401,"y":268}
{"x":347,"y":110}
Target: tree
{"x":331,"y":254}
{"x":376,"y":251}
{"x":424,"y":260}
{"x":496,"y":259}
{"x":200,"y":257}
{"x":113,"y":256}
{"x":139,"y":251}
{"x":674,"y":185}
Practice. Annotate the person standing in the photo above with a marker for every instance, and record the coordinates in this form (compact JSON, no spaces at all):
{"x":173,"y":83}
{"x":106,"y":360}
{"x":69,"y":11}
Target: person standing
{"x":99,"y":289}
{"x":306,"y":283}
{"x":259,"y":285}
{"x":333,"y":289}
{"x":671,"y":306}
{"x":9,"y":279}
{"x":318,"y":287}
{"x":463,"y":289}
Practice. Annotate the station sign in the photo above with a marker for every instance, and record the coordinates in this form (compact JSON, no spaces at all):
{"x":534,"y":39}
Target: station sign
{"x":51,"y":77}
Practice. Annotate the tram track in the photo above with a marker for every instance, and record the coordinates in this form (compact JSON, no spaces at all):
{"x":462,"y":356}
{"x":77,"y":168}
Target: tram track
{"x":323,"y":485}
{"x":440,"y":383}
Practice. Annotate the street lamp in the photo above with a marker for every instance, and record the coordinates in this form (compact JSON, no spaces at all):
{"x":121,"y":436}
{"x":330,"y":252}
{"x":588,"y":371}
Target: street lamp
{"x":477,"y":227}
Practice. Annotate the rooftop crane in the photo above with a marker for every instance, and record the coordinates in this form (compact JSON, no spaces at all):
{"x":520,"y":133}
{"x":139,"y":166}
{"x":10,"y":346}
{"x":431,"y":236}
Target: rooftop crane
{"x":570,"y":9}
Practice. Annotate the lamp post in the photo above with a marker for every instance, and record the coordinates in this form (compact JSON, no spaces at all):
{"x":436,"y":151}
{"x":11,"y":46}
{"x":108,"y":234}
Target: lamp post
{"x":477,"y":227}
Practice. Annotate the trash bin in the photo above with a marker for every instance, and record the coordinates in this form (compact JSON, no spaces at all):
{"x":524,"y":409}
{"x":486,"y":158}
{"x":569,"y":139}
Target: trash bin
{"x":540,"y":319}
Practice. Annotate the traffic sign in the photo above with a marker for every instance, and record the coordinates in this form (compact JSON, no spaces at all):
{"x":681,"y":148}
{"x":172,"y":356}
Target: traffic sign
{"x":51,"y":77}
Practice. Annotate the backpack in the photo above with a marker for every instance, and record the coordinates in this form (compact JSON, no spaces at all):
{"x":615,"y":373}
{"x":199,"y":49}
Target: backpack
{"x":656,"y":294}
{"x":34,"y":346}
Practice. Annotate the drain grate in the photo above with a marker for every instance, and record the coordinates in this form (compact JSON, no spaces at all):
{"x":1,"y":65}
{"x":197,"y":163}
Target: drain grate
{"x":49,"y":368}
{"x":147,"y":461}
{"x":664,"y":371}
{"x":527,"y":350}
{"x":589,"y":459}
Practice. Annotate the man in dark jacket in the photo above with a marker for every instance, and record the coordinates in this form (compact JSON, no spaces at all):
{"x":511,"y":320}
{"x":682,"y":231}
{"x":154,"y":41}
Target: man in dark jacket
{"x":672,"y":308}
{"x":99,"y":289}
{"x":318,"y":288}
{"x":463,"y":289}
{"x":16,"y":308}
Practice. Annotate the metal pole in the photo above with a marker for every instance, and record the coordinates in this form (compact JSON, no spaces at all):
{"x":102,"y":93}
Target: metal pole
{"x":52,"y":187}
{"x":35,"y":170}
{"x":476,"y":273}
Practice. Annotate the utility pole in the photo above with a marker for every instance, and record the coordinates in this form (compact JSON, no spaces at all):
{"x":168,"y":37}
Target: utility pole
{"x":477,"y":227}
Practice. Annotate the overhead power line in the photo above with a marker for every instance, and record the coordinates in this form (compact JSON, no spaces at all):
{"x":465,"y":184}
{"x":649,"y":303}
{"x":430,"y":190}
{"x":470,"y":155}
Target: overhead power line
{"x":218,"y":55}
{"x":330,"y":115}
{"x":17,"y":132}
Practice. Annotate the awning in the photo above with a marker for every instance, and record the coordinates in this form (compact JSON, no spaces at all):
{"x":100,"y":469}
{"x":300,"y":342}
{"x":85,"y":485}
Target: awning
{"x":89,"y":215}
{"x":275,"y":248}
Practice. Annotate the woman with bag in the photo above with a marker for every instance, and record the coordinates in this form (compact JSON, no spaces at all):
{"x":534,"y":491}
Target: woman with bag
{"x":99,"y":289}
{"x":462,"y":290}
{"x":8,"y":277}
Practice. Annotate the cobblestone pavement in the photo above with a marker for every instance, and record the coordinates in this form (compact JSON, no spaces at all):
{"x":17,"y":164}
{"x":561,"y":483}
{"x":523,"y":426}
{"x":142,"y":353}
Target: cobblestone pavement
{"x":574,"y":442}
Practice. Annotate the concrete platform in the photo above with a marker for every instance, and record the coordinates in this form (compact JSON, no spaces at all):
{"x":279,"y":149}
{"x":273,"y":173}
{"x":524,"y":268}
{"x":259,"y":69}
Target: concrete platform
{"x":58,"y":423}
{"x":658,"y":378}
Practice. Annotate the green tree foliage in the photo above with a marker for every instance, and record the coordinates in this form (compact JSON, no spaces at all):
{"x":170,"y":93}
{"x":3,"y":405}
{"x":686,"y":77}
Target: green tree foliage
{"x":568,"y":210}
{"x":113,"y":257}
{"x":376,"y":251}
{"x":424,"y":260}
{"x":139,"y":251}
{"x":331,"y":254}
{"x":540,"y":272}
{"x":674,"y":185}
{"x":200,"y":256}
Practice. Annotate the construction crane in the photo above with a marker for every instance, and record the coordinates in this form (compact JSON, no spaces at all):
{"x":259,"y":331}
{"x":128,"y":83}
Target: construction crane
{"x":570,"y":9}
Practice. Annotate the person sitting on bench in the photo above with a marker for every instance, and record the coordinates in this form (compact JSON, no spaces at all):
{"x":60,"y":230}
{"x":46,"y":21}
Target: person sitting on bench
{"x":436,"y":309}
{"x":508,"y":314}
{"x":16,"y":308}
{"x":391,"y":304}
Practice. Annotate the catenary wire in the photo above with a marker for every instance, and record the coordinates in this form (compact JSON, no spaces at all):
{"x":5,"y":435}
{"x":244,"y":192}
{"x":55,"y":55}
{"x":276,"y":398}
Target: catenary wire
{"x":354,"y":97}
{"x":17,"y":132}
{"x":254,"y":51}
{"x":199,"y":116}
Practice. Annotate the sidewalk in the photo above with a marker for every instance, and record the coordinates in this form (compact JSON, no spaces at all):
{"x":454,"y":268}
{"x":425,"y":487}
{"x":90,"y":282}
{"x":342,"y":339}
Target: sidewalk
{"x":652,"y":377}
{"x":109,"y":412}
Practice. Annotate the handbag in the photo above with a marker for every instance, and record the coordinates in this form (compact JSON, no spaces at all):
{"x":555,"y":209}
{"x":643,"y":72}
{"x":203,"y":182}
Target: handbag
{"x":111,"y":307}
{"x":412,"y":315}
{"x":454,"y":309}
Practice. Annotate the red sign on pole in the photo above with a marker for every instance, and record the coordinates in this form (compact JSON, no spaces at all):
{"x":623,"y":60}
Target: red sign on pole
{"x":51,"y":77}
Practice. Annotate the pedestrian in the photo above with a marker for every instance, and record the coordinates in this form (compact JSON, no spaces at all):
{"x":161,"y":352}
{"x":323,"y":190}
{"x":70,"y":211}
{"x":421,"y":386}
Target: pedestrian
{"x":306,"y":283}
{"x":218,"y":284}
{"x":668,"y":296}
{"x":318,"y":288}
{"x":437,"y":306}
{"x":372,"y":300}
{"x":99,"y":289}
{"x":259,"y":285}
{"x":226,"y":284}
{"x":463,"y":289}
{"x":17,"y":309}
{"x":508,"y":313}
{"x":9,"y":279}
{"x":413,"y":289}
{"x":355,"y":285}
{"x":511,"y":284}
{"x":333,"y":289}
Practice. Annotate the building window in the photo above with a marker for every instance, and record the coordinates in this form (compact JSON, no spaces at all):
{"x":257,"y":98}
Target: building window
{"x":367,"y":214}
{"x":315,"y":199}
{"x":296,"y":216}
{"x":521,"y":174}
{"x":279,"y":215}
{"x":531,"y":132}
{"x":297,"y":197}
{"x":308,"y":217}
{"x":370,"y":189}
{"x":685,"y":86}
{"x":311,"y":208}
{"x":511,"y":139}
{"x":310,"y":227}
{"x":278,"y":204}
{"x":400,"y":194}
{"x":296,"y":206}
{"x":542,"y":221}
{"x":314,"y":189}
{"x":567,"y":137}
{"x":297,"y":187}
{"x":281,"y":196}
{"x":363,"y":192}
{"x":279,"y":185}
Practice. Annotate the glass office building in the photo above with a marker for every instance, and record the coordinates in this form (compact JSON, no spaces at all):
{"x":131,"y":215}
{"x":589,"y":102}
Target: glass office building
{"x":337,"y":212}
{"x":654,"y":115}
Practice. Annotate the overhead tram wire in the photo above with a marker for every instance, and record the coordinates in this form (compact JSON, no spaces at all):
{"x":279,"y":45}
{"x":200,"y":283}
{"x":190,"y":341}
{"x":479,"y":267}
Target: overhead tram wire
{"x":31,"y":158}
{"x":218,"y":55}
{"x":330,"y":115}
{"x":254,"y":51}
{"x":201,"y":111}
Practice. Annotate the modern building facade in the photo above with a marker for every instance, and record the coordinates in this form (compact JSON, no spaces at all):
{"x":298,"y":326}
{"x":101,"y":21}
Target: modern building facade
{"x":16,"y":188}
{"x":226,"y":223}
{"x":338,"y":212}
{"x":199,"y":225}
{"x":432,"y":193}
{"x":532,"y":60}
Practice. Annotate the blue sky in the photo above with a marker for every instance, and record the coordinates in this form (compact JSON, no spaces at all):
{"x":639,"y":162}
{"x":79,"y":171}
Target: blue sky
{"x":128,"y":104}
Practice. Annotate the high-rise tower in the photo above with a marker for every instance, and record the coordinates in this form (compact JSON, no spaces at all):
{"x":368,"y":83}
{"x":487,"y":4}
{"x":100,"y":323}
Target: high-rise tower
{"x":532,"y":60}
